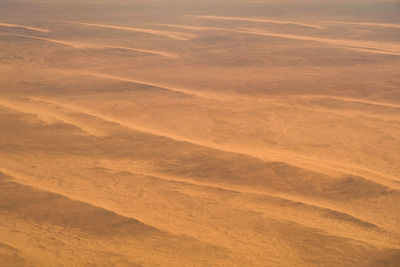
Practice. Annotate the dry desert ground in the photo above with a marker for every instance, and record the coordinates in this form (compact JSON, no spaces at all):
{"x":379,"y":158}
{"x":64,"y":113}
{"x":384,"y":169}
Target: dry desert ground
{"x":199,"y":133}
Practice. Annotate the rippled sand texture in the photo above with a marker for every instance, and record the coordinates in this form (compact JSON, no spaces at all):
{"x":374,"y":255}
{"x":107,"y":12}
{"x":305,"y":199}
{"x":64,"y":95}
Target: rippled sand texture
{"x":199,"y":133}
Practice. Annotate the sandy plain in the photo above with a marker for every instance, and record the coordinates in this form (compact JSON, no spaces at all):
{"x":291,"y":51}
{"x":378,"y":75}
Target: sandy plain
{"x":188,"y":133}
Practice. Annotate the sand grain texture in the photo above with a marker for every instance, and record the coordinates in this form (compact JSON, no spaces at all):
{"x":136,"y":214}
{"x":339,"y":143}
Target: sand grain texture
{"x":187,"y":133}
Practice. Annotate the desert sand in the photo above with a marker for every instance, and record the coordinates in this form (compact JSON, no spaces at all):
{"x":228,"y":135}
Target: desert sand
{"x":199,"y":133}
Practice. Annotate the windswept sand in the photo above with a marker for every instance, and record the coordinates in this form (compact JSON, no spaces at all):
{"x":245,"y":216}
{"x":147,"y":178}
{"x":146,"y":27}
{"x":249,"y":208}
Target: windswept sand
{"x":367,"y":24}
{"x":136,"y":134}
{"x":365,"y":46}
{"x":169,"y":34}
{"x":80,"y":45}
{"x":260,"y":20}
{"x":385,"y":48}
{"x":2,"y":24}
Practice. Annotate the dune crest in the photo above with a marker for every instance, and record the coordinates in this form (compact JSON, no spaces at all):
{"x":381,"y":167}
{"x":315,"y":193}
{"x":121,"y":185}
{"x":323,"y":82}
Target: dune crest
{"x":366,"y":46}
{"x":312,"y":163}
{"x":172,"y":35}
{"x":199,"y":133}
{"x":284,"y":22}
{"x":387,"y":25}
{"x":83,"y":45}
{"x":158,"y":85}
{"x":384,"y":48}
{"x":36,"y":29}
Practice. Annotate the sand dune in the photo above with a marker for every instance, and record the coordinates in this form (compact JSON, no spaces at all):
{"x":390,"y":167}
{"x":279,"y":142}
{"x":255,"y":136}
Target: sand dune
{"x":359,"y":45}
{"x":364,"y":225}
{"x":24,"y":27}
{"x":341,"y":219}
{"x":161,"y":86}
{"x":187,"y":27}
{"x":134,"y":134}
{"x":168,"y":34}
{"x":129,"y":247}
{"x":10,"y":256}
{"x":372,"y":47}
{"x":295,"y":159}
{"x":336,"y":229}
{"x":15,"y":202}
{"x":367,"y":50}
{"x":50,"y":117}
{"x":341,"y":215}
{"x":387,"y":25}
{"x":336,"y":219}
{"x":307,"y":162}
{"x":356,"y":100}
{"x":83,"y":45}
{"x":199,"y":28}
{"x":260,"y":20}
{"x":242,"y":190}
{"x":60,"y":42}
{"x":154,"y":52}
{"x":32,"y":204}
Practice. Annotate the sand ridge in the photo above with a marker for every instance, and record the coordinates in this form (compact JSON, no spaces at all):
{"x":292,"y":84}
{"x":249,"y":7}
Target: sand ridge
{"x":259,"y":20}
{"x":373,"y":47}
{"x":169,"y":34}
{"x":356,"y":100}
{"x":295,"y":159}
{"x":36,"y":29}
{"x":83,"y":45}
{"x":158,"y":85}
{"x":384,"y":48}
{"x":249,"y":133}
{"x":388,"y":25}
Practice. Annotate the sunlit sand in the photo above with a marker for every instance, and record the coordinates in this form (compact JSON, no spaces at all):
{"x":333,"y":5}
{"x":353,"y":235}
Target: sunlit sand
{"x":199,"y":133}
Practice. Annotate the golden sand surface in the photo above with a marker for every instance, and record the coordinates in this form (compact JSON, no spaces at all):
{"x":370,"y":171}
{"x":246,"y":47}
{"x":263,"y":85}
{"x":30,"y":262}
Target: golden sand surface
{"x":199,"y":133}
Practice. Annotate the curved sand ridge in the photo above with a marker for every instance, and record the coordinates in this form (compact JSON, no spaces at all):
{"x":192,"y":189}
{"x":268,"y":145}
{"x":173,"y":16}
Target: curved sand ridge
{"x":292,"y":158}
{"x":111,"y":225}
{"x":339,"y":215}
{"x":23,"y":200}
{"x":168,"y":34}
{"x":83,"y":45}
{"x":365,"y":46}
{"x":269,"y":139}
{"x":292,"y":200}
{"x":339,"y":223}
{"x":10,"y":256}
{"x":384,"y":48}
{"x":185,"y":91}
{"x":19,"y":182}
{"x":36,"y":29}
{"x":49,"y":116}
{"x":338,"y":219}
{"x":386,"y":25}
{"x":240,"y":189}
{"x":355,"y":100}
{"x":270,"y":155}
{"x":259,"y":20}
